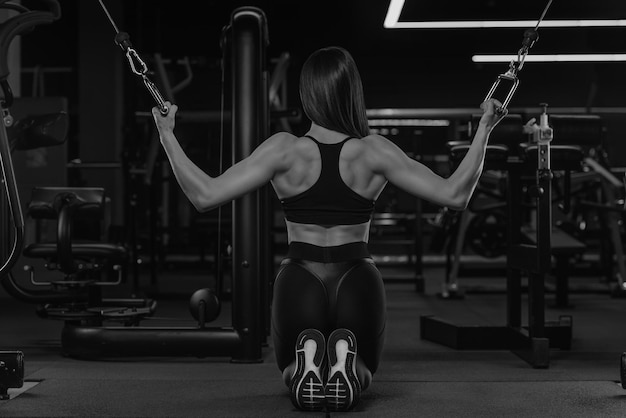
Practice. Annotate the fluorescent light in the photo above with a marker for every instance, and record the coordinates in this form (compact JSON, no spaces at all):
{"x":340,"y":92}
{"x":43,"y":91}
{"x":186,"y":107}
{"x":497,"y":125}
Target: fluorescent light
{"x":483,"y":24}
{"x":552,"y":58}
{"x":396,"y":6}
{"x":393,"y":13}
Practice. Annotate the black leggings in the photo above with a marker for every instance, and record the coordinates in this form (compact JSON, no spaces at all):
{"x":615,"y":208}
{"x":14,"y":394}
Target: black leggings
{"x":328,"y":288}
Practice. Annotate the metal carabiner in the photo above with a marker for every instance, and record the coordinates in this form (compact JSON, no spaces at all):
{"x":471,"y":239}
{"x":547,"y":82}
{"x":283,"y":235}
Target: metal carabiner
{"x":133,"y":57}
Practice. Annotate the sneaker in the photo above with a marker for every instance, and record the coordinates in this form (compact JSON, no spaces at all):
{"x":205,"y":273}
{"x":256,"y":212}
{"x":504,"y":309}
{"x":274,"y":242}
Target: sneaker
{"x":343,"y":389}
{"x":307,"y":389}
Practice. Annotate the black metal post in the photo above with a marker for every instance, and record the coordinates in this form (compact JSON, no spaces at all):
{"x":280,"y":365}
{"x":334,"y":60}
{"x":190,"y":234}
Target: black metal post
{"x":419,"y":248}
{"x":249,"y":39}
{"x":514,"y":237}
{"x":536,"y":294}
{"x":266,"y":215}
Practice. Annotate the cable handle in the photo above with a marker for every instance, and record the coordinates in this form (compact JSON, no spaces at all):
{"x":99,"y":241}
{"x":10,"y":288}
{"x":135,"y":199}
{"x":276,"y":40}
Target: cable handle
{"x":156,"y":95}
{"x":510,"y":77}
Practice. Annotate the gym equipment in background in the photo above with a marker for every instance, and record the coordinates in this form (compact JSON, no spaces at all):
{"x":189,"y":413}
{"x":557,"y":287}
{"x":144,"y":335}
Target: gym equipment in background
{"x":482,"y":226}
{"x":11,"y":372}
{"x":32,"y":132}
{"x":245,"y":39}
{"x":533,"y":341}
{"x":16,"y":25}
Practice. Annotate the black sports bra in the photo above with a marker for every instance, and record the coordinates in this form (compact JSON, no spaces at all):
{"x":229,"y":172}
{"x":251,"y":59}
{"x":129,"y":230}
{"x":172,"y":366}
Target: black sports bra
{"x":329,"y":201}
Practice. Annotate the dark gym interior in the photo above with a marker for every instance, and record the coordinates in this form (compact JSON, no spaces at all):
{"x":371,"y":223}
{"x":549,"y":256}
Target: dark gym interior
{"x":118,"y":298}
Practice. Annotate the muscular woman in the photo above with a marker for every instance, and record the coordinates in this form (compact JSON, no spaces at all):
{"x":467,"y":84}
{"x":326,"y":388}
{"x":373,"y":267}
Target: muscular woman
{"x":328,"y":310}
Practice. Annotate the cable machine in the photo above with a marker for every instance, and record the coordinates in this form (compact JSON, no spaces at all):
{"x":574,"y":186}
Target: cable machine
{"x":85,"y":334}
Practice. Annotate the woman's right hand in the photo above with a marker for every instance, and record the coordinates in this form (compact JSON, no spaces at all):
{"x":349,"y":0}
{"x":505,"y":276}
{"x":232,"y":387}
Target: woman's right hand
{"x":165,"y":124}
{"x":492,"y":113}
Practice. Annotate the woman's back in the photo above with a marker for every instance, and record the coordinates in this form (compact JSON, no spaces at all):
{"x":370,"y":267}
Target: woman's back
{"x":305,"y":166}
{"x":331,"y":203}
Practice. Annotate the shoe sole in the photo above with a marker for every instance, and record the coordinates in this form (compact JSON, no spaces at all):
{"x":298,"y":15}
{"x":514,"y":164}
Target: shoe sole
{"x":307,"y":389}
{"x":343,"y":389}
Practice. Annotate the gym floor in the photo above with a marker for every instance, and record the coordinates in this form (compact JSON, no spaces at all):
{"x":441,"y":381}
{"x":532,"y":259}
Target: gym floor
{"x":416,"y":377}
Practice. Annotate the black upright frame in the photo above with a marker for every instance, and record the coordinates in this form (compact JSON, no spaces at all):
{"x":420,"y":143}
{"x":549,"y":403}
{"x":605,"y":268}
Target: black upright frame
{"x":249,"y":40}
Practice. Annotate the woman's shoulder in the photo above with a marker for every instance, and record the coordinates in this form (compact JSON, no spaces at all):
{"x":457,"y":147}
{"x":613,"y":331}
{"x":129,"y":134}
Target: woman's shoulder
{"x":375,"y":140}
{"x":280,"y":142}
{"x":281,"y":139}
{"x":286,"y":148}
{"x":374,"y":144}
{"x":376,"y":150}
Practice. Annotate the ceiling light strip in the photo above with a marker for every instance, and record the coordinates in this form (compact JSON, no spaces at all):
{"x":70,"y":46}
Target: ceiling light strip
{"x":552,"y":58}
{"x":484,"y":24}
{"x":408,"y":122}
{"x":393,"y":13}
{"x":392,"y":21}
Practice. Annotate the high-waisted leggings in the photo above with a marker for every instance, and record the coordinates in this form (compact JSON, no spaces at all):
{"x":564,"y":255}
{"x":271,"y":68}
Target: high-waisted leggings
{"x":328,"y":288}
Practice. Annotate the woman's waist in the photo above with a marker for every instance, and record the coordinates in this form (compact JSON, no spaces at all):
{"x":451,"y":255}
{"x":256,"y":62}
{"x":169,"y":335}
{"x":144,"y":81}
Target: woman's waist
{"x":330,"y":254}
{"x":328,"y":236}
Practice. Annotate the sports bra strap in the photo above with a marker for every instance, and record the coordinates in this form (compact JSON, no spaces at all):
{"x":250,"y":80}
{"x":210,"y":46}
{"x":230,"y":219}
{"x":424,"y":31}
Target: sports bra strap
{"x":318,"y":142}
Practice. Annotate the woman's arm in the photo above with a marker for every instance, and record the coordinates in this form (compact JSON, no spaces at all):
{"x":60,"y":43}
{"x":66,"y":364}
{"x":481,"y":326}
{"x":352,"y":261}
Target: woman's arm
{"x":417,"y":179}
{"x":206,"y":192}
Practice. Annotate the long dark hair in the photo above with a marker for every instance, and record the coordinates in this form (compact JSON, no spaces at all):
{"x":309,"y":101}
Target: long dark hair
{"x":332,"y":92}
